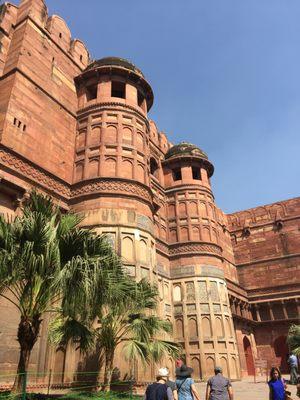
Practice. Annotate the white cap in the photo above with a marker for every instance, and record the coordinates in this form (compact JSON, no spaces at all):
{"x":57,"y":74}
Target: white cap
{"x":163,"y":373}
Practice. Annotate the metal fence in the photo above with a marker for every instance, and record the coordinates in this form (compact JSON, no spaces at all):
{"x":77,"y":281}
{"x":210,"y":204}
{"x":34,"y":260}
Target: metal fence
{"x":52,"y":384}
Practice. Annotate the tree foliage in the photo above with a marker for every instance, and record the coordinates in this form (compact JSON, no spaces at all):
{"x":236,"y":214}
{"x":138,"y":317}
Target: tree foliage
{"x":127,"y":318}
{"x":48,"y":263}
{"x":293,"y":339}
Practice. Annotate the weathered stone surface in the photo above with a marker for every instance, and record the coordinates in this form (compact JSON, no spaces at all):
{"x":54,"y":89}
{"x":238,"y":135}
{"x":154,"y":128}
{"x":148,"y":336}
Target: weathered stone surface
{"x":228,"y":283}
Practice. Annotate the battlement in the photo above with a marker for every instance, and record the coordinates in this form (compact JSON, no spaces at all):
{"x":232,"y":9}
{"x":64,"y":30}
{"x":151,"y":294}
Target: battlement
{"x":266,"y":214}
{"x":52,"y":28}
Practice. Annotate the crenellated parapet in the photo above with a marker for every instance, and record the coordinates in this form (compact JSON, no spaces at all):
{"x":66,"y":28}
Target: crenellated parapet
{"x":263,"y":215}
{"x":55,"y":29}
{"x":38,"y":63}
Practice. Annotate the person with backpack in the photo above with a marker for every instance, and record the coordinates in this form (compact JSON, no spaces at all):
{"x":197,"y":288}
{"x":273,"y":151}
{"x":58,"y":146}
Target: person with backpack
{"x":159,"y":390}
{"x":186,"y":388}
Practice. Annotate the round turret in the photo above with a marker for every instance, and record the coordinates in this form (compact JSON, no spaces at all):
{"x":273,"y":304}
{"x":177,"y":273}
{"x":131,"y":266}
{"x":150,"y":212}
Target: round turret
{"x":188,"y":154}
{"x":114,"y":79}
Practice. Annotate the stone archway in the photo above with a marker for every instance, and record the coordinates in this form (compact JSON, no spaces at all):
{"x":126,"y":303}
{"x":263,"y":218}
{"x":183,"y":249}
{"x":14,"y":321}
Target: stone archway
{"x":248,"y":356}
{"x":281,"y":352}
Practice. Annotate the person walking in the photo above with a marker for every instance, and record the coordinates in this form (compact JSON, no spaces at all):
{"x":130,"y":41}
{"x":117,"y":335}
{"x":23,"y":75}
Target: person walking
{"x":219,"y":387}
{"x":298,"y":387}
{"x":171,"y":384}
{"x":277,"y":385}
{"x":293,"y":363}
{"x":159,"y":390}
{"x":186,"y":388}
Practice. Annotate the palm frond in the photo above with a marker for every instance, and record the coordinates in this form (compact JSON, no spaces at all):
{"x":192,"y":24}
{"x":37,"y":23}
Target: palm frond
{"x":41,"y":204}
{"x":63,"y":330}
{"x":135,"y":350}
{"x":159,"y":349}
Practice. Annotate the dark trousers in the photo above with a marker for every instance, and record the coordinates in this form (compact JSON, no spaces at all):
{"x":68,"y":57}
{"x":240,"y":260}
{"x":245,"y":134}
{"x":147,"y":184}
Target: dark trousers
{"x":294,"y":376}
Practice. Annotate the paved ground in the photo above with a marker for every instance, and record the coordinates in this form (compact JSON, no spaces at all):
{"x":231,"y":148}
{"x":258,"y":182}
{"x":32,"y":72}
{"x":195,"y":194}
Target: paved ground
{"x":248,"y":390}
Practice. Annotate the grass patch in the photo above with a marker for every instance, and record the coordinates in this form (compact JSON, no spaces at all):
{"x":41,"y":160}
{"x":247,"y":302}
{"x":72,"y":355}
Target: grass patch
{"x":100,"y":396}
{"x":73,"y":396}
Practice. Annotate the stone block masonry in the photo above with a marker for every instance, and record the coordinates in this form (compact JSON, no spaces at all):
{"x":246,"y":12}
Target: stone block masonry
{"x":80,"y":131}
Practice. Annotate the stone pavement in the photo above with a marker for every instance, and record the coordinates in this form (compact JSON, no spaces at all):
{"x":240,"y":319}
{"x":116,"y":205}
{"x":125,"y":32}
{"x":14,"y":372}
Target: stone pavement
{"x":248,"y":390}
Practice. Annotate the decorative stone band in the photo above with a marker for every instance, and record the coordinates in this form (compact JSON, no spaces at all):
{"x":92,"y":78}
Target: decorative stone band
{"x":212,"y":272}
{"x":162,"y":247}
{"x":194,"y":248}
{"x":49,"y":182}
{"x":207,"y":271}
{"x":115,"y":186}
{"x":188,"y":247}
{"x":182,"y":271}
{"x":104,"y":106}
{"x":30,"y":171}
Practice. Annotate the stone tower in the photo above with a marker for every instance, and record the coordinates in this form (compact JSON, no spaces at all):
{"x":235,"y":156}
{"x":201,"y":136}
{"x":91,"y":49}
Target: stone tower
{"x":111,"y":169}
{"x":198,"y":243}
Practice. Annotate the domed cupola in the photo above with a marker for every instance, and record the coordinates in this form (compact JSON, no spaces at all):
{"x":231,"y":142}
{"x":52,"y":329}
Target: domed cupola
{"x":114,"y":79}
{"x":185,"y":151}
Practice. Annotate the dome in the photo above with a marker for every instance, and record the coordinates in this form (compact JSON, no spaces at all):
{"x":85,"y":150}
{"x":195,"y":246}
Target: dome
{"x":185,"y":149}
{"x":116,"y":62}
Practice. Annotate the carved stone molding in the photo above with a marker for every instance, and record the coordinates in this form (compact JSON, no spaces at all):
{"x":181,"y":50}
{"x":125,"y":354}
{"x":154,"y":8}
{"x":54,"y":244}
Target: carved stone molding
{"x":112,"y":186}
{"x":162,"y":247}
{"x":187,"y":248}
{"x":97,"y":107}
{"x":30,"y":171}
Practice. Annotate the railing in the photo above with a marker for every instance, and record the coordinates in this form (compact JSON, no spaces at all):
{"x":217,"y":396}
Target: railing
{"x":69,"y":385}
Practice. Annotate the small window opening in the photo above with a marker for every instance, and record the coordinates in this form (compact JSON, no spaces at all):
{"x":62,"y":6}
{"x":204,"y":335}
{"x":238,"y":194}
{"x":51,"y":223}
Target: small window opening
{"x":15,"y":121}
{"x":24,"y":128}
{"x":91,"y":92}
{"x":196,"y":173}
{"x":60,"y":35}
{"x":153,"y":167}
{"x":140,"y":97}
{"x":177,"y":174}
{"x":81,"y":58}
{"x":118,"y":89}
{"x":19,"y":124}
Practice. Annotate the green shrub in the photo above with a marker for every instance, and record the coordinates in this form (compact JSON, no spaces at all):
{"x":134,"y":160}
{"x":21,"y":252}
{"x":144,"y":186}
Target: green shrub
{"x":73,"y":396}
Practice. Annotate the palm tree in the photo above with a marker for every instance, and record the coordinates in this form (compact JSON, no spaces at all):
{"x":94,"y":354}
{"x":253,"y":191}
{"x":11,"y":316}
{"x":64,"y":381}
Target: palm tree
{"x":293,"y":339}
{"x":125,"y":317}
{"x":132,"y":324}
{"x":47,"y":260}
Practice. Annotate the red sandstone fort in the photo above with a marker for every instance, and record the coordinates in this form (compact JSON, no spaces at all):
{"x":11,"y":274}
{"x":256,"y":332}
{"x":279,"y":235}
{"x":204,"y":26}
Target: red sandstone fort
{"x":78,"y":130}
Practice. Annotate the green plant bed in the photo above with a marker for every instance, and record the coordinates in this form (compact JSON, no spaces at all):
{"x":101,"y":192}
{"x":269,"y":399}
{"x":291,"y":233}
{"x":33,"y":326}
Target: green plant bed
{"x":100,"y":396}
{"x":73,"y":396}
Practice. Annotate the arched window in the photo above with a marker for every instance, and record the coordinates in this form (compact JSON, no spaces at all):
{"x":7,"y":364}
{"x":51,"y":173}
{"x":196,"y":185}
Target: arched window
{"x":177,"y":293}
{"x":154,"y":167}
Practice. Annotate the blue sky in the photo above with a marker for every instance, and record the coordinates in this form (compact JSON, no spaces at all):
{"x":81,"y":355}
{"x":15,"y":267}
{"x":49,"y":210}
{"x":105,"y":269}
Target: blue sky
{"x":225,"y":76}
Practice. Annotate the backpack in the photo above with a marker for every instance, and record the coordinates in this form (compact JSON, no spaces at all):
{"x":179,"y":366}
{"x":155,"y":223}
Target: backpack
{"x":157,"y":391}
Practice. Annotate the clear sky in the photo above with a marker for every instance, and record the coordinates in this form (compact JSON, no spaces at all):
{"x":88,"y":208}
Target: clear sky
{"x":225,"y":76}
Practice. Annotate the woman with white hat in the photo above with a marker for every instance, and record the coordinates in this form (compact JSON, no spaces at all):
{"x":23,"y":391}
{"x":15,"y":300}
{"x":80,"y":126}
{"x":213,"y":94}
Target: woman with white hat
{"x":159,"y":389}
{"x":185,"y":384}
